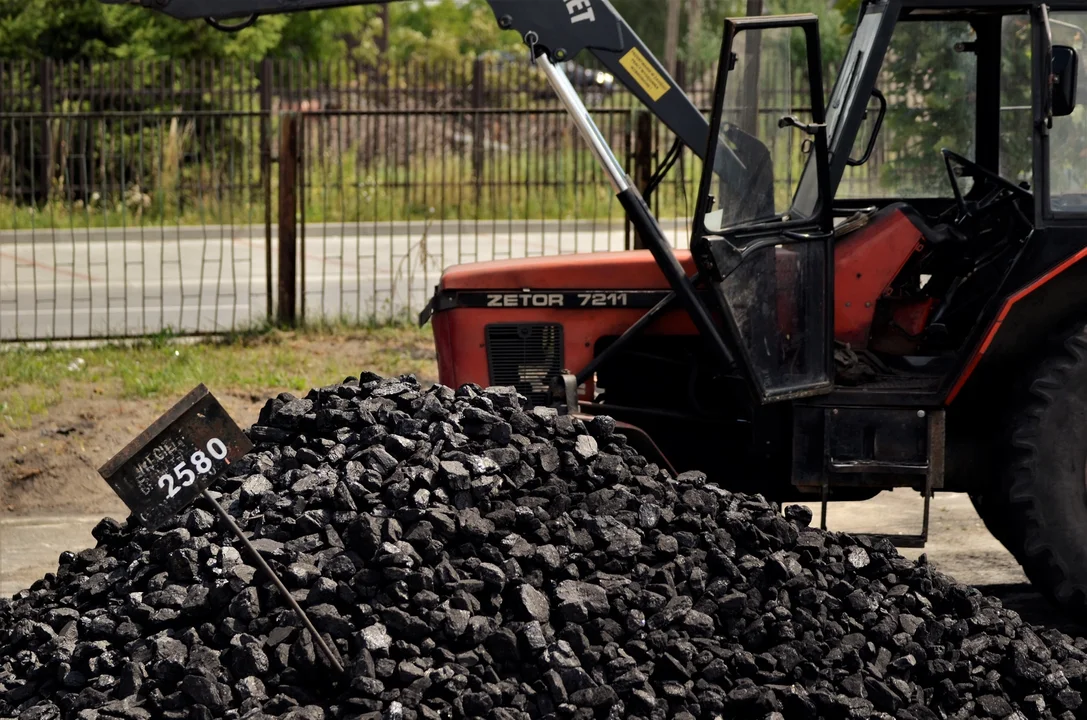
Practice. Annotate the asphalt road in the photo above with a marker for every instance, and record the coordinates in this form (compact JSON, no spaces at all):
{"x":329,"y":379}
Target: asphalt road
{"x":130,"y":281}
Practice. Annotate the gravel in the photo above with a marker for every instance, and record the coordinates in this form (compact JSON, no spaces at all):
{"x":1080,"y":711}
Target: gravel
{"x":468,"y":556}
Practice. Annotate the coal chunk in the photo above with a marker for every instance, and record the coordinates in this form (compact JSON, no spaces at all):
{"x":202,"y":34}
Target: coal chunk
{"x":466,"y":554}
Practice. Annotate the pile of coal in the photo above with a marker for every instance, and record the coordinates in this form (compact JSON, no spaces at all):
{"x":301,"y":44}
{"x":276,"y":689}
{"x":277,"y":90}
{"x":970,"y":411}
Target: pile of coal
{"x":467,"y":556}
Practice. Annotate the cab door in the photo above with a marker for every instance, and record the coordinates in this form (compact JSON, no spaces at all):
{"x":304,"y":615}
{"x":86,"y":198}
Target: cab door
{"x":771,"y":268}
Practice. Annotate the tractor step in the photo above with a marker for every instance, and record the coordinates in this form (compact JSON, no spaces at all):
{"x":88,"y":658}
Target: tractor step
{"x":899,"y":540}
{"x":873,"y":448}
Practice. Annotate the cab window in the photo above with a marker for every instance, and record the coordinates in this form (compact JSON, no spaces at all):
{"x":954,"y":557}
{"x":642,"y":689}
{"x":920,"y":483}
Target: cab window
{"x":1068,"y":136}
{"x":1016,"y":109}
{"x":931,"y":88}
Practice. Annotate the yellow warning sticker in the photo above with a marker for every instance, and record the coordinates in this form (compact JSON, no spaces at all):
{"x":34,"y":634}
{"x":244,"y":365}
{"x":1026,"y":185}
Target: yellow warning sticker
{"x":645,"y":74}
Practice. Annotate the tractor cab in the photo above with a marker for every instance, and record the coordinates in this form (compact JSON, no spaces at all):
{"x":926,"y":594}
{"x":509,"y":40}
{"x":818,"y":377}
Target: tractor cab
{"x":867,"y":257}
{"x":868,"y":240}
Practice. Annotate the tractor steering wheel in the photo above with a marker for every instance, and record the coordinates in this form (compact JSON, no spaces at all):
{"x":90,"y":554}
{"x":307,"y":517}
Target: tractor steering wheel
{"x":968,"y":209}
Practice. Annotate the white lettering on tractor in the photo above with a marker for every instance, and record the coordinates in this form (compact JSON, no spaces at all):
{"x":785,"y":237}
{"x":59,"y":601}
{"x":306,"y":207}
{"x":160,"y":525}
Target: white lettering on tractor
{"x":580,"y":10}
{"x":602,"y":299}
{"x":524,"y":300}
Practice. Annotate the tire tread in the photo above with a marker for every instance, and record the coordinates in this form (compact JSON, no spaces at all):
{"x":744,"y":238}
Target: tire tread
{"x":1041,"y":561}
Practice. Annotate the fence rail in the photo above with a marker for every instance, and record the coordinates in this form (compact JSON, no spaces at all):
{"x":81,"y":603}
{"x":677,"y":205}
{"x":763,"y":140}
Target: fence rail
{"x":137,"y":198}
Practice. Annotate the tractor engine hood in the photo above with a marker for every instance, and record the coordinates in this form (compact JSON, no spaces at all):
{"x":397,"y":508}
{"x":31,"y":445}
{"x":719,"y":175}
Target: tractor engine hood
{"x":625,"y":279}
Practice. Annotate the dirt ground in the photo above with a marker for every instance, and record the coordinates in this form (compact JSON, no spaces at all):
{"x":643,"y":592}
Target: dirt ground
{"x":51,"y":468}
{"x":53,"y":496}
{"x":49,"y":463}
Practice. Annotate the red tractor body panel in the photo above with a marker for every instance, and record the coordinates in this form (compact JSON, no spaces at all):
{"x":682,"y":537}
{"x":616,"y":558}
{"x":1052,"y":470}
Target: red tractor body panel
{"x":604,"y":271}
{"x":460,"y":332}
{"x":866,"y":262}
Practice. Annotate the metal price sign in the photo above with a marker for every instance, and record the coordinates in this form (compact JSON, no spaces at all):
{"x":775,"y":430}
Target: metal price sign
{"x":171,"y":463}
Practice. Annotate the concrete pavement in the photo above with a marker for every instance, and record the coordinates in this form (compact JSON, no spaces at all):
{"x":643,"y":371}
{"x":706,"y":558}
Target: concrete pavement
{"x":31,"y":546}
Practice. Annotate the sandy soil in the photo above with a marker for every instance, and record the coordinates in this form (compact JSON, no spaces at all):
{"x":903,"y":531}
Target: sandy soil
{"x":52,"y":467}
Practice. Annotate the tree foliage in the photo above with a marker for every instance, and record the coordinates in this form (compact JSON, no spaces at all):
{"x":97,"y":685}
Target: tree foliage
{"x":647,"y":18}
{"x":91,"y":30}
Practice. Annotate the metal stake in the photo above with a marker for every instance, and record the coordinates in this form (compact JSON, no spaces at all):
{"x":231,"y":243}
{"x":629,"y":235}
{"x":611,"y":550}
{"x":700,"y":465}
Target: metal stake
{"x":824,"y":493}
{"x":324,"y":648}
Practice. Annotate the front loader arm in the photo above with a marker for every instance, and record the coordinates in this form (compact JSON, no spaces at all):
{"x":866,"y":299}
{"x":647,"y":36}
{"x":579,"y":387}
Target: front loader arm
{"x":561,"y":28}
{"x":564,"y":29}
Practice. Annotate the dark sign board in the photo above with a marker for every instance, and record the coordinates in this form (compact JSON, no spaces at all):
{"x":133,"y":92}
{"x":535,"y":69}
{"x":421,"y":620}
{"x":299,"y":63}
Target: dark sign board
{"x":172,"y":462}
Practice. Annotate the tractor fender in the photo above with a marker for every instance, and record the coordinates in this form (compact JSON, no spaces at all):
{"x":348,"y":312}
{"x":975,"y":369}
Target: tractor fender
{"x":1028,"y":319}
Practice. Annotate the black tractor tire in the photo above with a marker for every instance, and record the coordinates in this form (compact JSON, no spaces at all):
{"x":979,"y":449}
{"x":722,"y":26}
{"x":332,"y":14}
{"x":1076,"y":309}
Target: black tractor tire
{"x":1039,"y":509}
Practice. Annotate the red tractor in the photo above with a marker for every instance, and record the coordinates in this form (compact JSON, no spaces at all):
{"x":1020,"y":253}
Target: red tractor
{"x":814,"y":344}
{"x":820,"y":342}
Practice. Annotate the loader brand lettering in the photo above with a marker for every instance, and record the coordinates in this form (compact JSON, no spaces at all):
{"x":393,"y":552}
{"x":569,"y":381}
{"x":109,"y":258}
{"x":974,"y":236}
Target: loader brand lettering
{"x":645,"y":74}
{"x":580,"y":11}
{"x":525,"y":300}
{"x":560,"y":300}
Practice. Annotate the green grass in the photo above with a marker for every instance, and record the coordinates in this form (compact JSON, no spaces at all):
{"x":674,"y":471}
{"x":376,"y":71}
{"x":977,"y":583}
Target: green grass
{"x":550,"y":184}
{"x":261,"y":363}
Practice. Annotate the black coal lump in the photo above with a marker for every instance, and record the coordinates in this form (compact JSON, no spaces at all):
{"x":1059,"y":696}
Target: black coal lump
{"x":467,"y":555}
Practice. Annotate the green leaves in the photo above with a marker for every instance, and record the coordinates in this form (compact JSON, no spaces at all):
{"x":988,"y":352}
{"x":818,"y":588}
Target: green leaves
{"x":440,"y":31}
{"x":90,"y":30}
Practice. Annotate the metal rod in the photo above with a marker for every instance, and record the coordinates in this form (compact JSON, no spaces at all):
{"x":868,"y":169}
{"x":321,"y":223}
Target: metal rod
{"x":617,"y":176}
{"x":823,"y":495}
{"x":637,"y":211}
{"x":320,"y":641}
{"x":924,"y":522}
{"x":629,"y":334}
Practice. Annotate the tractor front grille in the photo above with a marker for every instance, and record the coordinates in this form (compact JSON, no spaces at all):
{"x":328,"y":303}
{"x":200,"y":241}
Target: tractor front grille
{"x":525,"y":355}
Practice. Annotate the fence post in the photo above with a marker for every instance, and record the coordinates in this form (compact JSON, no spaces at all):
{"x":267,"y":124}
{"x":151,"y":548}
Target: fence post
{"x":266,"y":171}
{"x":288,"y":230}
{"x":643,"y":161}
{"x":45,"y":79}
{"x":478,"y":99}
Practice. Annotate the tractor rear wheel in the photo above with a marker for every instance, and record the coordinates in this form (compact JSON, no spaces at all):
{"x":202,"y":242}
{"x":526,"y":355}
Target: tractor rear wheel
{"x":1041,"y":506}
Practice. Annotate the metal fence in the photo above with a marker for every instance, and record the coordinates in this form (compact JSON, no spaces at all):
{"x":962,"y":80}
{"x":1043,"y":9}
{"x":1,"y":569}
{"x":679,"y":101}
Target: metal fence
{"x":142,"y":198}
